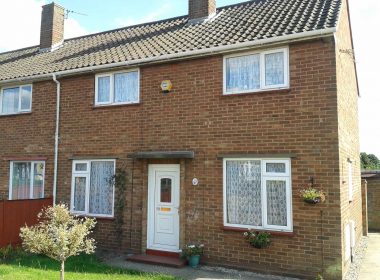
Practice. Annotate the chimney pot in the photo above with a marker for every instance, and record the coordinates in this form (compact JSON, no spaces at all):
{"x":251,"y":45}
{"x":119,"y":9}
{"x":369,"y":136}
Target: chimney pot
{"x":200,"y":9}
{"x":52,"y":27}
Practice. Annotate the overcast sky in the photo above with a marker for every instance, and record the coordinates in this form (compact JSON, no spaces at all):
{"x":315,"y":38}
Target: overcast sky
{"x":20,"y":25}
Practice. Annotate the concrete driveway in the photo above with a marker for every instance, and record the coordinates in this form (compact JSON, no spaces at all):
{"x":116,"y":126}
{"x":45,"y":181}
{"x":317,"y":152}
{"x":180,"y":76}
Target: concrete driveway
{"x":370,"y":269}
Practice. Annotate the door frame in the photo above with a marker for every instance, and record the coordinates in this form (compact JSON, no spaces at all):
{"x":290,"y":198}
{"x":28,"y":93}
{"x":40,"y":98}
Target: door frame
{"x":151,"y":202}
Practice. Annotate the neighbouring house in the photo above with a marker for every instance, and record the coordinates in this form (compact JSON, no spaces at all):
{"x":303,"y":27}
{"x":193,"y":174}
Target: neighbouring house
{"x":218,"y":119}
{"x":373,"y":198}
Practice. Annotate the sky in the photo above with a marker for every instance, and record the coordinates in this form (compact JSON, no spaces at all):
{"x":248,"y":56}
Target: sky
{"x":100,"y":15}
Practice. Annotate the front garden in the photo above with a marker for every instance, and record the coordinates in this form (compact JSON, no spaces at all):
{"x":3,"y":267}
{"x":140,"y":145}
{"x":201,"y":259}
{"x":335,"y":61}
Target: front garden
{"x":18,"y":265}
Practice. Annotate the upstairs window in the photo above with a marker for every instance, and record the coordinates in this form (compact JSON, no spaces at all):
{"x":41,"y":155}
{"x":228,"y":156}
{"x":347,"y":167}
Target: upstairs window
{"x":27,"y":180}
{"x":117,"y":88}
{"x":15,"y":100}
{"x":256,"y":71}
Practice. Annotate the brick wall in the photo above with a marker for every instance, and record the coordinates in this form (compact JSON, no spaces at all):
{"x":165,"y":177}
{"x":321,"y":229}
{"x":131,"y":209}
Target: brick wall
{"x":201,"y":8}
{"x":52,"y":25}
{"x":348,"y":129}
{"x":373,"y":195}
{"x":30,"y":136}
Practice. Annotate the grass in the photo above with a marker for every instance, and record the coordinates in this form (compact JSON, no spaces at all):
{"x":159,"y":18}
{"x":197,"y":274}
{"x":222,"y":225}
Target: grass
{"x":33,"y":267}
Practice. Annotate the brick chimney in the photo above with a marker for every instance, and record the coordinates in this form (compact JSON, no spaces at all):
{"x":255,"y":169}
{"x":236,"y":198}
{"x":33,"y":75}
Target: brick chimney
{"x":200,"y":9}
{"x":52,"y":27}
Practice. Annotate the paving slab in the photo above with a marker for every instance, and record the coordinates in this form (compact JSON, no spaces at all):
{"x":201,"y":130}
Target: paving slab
{"x":370,"y":269}
{"x":188,"y":273}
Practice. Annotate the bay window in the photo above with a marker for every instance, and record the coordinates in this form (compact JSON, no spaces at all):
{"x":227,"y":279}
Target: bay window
{"x":117,"y":88}
{"x":26,"y":180}
{"x":92,"y":191}
{"x":15,"y":100}
{"x":257,"y":194}
{"x":256,"y":71}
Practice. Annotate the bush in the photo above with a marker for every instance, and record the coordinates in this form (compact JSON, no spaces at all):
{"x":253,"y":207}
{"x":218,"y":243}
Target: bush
{"x":258,"y":240}
{"x":9,"y":253}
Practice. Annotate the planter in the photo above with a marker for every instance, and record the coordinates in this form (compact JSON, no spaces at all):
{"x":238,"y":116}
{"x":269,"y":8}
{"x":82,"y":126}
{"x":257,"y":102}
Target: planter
{"x":313,"y":201}
{"x":260,"y":246}
{"x":194,"y":260}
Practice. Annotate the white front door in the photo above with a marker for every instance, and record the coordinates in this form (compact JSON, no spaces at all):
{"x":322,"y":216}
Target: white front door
{"x":163,"y":207}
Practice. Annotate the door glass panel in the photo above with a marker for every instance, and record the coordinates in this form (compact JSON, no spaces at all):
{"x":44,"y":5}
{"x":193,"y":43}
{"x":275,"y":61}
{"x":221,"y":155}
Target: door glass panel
{"x":276,"y":202}
{"x":166,"y":190}
{"x":79,"y":194}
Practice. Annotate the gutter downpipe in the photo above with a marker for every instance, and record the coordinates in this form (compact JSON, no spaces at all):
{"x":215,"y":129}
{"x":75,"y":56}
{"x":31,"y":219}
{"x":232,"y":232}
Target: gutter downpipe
{"x":56,"y":139}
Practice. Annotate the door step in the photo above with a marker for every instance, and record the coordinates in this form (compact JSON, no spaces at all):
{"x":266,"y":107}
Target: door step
{"x":161,"y":258}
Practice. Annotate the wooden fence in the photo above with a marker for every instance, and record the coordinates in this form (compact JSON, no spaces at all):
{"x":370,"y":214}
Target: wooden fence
{"x":14,"y":214}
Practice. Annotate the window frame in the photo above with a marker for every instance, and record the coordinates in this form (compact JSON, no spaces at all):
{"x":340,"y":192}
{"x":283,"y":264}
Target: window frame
{"x":87,"y":174}
{"x":32,"y":162}
{"x":263,"y":87}
{"x":264,"y":178}
{"x":19,"y":110}
{"x":111,"y":99}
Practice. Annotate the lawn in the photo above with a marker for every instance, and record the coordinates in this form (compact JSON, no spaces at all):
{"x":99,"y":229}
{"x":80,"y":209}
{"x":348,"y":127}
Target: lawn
{"x":32,"y":267}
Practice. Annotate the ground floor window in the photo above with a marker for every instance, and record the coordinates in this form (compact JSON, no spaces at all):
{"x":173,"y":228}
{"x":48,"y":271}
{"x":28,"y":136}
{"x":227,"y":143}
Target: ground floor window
{"x":92,"y":191}
{"x":257,"y":193}
{"x":26,"y":180}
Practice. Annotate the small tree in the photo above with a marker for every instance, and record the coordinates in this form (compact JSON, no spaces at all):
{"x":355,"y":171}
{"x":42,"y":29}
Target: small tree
{"x":59,"y":235}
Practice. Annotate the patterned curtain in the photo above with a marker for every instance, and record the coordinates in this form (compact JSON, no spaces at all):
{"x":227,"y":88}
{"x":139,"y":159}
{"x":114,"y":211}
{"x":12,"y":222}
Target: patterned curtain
{"x":243,"y":191}
{"x":21,"y":180}
{"x":276,"y":202}
{"x":80,"y":194}
{"x":101,"y":187}
{"x":126,"y":87}
{"x":10,"y":100}
{"x":243,"y":73}
{"x":104,"y":89}
{"x":274,"y":69}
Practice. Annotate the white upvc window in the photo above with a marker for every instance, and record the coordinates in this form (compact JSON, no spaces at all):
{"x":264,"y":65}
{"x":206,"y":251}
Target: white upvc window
{"x":256,"y":71}
{"x":92,"y":188}
{"x":16,"y":100}
{"x":257,"y":194}
{"x":350,"y":182}
{"x":117,"y":88}
{"x":26,"y":180}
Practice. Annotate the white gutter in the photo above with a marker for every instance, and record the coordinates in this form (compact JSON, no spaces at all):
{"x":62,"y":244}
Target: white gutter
{"x":56,"y":138}
{"x":189,"y":54}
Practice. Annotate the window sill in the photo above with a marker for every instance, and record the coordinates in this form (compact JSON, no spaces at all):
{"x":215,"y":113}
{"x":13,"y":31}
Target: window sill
{"x":282,"y":90}
{"x":114,"y":105}
{"x":274,"y":233}
{"x":95,"y":217}
{"x":15,"y":114}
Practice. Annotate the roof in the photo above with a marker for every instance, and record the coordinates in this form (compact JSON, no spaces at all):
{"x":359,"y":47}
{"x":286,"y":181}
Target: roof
{"x":370,"y":174}
{"x":252,"y":21}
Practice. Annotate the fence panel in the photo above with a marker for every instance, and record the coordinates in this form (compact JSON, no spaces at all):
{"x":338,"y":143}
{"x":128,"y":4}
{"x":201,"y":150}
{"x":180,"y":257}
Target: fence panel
{"x":14,"y":214}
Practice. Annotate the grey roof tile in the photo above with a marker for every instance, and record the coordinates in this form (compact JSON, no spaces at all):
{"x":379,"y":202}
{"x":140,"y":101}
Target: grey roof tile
{"x":248,"y":21}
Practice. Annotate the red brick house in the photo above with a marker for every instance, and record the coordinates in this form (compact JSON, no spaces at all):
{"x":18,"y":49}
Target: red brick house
{"x":218,"y":118}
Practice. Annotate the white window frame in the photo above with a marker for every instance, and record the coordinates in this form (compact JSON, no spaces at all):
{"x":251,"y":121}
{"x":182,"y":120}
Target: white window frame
{"x":350,"y":181}
{"x":19,"y":110}
{"x":264,"y":177}
{"x":111,"y":75}
{"x":263,"y":87}
{"x":86,"y":174}
{"x":31,"y":180}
